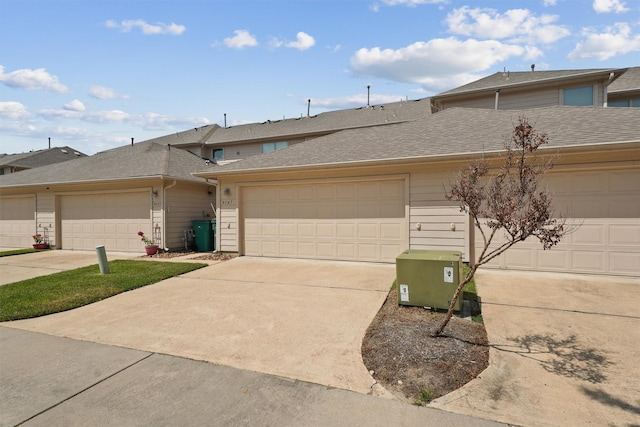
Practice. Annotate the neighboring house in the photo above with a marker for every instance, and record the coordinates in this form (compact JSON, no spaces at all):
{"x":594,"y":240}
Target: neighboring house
{"x":368,"y":194}
{"x":105,"y":199}
{"x":532,"y":89}
{"x":225,"y":144}
{"x":10,"y":163}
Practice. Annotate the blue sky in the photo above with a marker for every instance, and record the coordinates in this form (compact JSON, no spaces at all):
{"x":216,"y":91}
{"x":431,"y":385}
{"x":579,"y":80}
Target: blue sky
{"x":93,"y":74}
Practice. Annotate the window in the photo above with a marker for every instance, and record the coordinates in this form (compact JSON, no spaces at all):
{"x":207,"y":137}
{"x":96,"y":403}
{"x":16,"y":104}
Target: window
{"x":618,"y":103}
{"x":218,"y":154}
{"x":578,"y":96}
{"x":268,"y":147}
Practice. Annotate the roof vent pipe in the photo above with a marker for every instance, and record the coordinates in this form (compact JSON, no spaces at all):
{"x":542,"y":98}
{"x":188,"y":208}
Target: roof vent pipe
{"x":132,"y":142}
{"x":308,"y":107}
{"x":497,"y":98}
{"x":533,"y":67}
{"x":225,"y":120}
{"x":49,"y":143}
{"x":368,"y":93}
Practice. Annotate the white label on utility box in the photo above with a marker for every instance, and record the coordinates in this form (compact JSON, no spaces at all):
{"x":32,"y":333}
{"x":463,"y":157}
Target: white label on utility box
{"x":448,"y":274}
{"x":404,"y":293}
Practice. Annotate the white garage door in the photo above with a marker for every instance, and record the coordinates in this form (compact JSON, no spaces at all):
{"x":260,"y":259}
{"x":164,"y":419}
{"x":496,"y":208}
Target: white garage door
{"x":112,"y":220}
{"x":358,"y":221}
{"x":17,"y":221}
{"x":606,"y":207}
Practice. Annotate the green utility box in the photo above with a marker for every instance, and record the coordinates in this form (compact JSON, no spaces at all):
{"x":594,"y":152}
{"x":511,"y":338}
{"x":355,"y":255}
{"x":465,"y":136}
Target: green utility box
{"x":428,"y":278}
{"x":205,"y":232}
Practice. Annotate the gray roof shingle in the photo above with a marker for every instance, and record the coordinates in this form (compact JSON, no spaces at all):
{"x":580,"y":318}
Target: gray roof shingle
{"x":323,"y":123}
{"x":452,"y":132}
{"x":40,"y":158}
{"x":501,"y":80}
{"x":628,"y":82}
{"x":145,"y":159}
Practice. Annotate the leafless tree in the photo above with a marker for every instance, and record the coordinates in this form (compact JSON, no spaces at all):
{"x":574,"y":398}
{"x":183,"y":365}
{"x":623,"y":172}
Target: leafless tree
{"x":511,"y":200}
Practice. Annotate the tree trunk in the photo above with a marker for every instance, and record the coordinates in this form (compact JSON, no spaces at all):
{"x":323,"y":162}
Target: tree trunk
{"x":456,"y":295}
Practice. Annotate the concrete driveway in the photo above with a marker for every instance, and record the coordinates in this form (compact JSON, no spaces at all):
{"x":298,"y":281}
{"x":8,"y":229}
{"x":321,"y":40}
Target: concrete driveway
{"x":293,"y":318}
{"x":564,"y":351}
{"x":22,"y":267}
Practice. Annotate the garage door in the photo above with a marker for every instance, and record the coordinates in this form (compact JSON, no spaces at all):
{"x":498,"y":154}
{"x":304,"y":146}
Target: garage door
{"x":112,"y":220}
{"x":605,"y":206}
{"x":359,"y":221}
{"x":17,"y":221}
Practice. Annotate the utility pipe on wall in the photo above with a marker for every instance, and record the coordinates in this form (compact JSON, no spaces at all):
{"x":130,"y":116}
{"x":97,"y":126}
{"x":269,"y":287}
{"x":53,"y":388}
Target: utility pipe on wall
{"x":497,"y":98}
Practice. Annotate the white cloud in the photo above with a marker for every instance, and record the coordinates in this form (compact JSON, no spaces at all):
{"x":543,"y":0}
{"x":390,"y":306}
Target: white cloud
{"x":13,"y":111}
{"x":32,"y":80}
{"x":109,"y":116}
{"x":241,"y":39}
{"x":548,"y":3}
{"x":412,"y":3}
{"x":353,"y":101}
{"x":303,"y":41}
{"x":437,"y":64}
{"x":616,"y":40}
{"x":102,"y":92}
{"x":608,"y":6}
{"x":146,"y":28}
{"x":516,"y":25}
{"x":74,"y":105}
{"x":155,"y":121}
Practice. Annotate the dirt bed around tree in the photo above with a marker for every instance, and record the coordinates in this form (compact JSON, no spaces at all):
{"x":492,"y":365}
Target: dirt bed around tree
{"x":408,"y":362}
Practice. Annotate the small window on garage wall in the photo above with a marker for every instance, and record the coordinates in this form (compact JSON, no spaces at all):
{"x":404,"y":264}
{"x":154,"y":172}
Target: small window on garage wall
{"x":268,"y":147}
{"x":218,"y":154}
{"x":578,"y":96}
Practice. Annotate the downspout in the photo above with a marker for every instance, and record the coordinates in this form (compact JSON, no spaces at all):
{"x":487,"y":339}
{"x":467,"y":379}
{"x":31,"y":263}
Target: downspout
{"x":497,"y":98}
{"x":164,"y":212}
{"x":605,"y":90}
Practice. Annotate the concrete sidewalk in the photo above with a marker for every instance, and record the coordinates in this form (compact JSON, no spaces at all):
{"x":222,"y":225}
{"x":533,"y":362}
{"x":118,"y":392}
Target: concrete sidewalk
{"x":50,"y":380}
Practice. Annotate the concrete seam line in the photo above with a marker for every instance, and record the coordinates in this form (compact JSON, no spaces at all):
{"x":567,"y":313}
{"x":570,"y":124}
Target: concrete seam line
{"x":594,"y":313}
{"x":84,"y":389}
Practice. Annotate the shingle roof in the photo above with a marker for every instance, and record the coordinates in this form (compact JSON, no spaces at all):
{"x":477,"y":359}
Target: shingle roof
{"x":508,"y":79}
{"x":145,"y":159}
{"x":325,"y":122}
{"x":34,"y":159}
{"x":452,"y":132}
{"x":192,"y":136}
{"x":628,"y":82}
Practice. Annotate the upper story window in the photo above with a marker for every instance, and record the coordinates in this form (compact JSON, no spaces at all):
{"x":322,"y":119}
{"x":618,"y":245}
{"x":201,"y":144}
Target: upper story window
{"x":578,"y":96}
{"x":634,"y":102}
{"x":218,"y":154}
{"x":268,"y":147}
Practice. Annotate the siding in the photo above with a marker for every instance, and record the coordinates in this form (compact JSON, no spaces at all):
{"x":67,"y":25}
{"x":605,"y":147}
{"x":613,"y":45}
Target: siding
{"x":436,"y":216}
{"x":519,"y":100}
{"x":184,"y":203}
{"x":228,"y":221}
{"x":46,"y":216}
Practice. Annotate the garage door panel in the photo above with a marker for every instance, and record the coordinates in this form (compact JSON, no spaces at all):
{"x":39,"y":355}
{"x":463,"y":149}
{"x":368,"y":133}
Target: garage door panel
{"x":605,"y":206}
{"x":625,"y":262}
{"x":17,"y":221}
{"x":112,"y":220}
{"x":331,"y":221}
{"x":624,"y":234}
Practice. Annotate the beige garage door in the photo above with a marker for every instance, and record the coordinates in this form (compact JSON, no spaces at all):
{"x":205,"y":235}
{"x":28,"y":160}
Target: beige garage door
{"x":606,"y":207}
{"x":17,"y":221}
{"x":112,"y":220}
{"x":359,"y":221}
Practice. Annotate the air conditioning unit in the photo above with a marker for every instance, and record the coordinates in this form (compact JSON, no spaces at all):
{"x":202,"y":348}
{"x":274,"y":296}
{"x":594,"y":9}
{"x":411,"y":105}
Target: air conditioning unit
{"x":428,"y":278}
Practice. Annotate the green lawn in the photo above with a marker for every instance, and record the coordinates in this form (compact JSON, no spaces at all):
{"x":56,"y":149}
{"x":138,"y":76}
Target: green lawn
{"x":19,"y":252}
{"x":74,"y":288}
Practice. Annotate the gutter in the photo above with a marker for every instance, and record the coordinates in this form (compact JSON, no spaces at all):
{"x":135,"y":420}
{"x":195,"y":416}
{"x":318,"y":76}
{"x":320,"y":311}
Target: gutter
{"x":98,"y":181}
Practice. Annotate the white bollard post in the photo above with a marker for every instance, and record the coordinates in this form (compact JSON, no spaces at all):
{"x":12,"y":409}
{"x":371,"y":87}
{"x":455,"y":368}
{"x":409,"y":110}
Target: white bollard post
{"x":102,"y":259}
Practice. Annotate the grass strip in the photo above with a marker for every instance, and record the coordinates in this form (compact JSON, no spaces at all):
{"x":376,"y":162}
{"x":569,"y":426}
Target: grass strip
{"x":74,"y":288}
{"x":18,"y":252}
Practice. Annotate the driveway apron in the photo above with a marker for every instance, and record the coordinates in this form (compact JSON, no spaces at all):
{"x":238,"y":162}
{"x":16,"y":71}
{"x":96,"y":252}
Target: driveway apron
{"x":564,"y":351}
{"x":293,"y":318}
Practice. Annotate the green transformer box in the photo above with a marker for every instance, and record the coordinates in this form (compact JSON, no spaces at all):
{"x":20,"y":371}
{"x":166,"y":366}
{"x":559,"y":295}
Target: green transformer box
{"x":428,"y":278}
